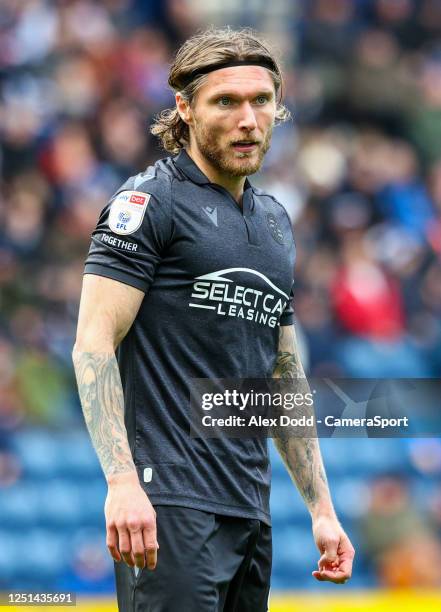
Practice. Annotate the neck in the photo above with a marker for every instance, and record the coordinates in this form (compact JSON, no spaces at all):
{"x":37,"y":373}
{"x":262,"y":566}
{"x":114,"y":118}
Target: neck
{"x":233,"y":184}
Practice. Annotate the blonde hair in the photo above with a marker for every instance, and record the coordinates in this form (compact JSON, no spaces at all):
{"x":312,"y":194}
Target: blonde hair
{"x":210,"y":47}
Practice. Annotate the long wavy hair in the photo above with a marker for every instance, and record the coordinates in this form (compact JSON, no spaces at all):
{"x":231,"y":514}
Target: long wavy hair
{"x":212,"y":46}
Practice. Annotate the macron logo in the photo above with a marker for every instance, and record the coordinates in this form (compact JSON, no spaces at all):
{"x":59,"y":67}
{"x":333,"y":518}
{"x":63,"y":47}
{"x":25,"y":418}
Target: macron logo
{"x":211,"y":212}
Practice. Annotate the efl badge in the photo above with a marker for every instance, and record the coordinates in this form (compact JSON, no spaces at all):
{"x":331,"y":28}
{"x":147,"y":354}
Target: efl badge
{"x":127,"y":211}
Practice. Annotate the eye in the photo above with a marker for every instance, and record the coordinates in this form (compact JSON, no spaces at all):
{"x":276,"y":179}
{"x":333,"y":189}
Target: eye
{"x":224,"y":101}
{"x":261,"y":99}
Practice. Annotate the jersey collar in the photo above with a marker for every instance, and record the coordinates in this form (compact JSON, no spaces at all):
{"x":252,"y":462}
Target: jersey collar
{"x":184,"y":162}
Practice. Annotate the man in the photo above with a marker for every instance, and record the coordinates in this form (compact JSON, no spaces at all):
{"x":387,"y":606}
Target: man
{"x":189,"y":276}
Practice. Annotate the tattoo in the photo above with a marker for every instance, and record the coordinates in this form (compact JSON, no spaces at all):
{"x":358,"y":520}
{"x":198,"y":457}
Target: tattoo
{"x":300,"y":454}
{"x":288,"y":364}
{"x":102,"y":400}
{"x":303,"y":461}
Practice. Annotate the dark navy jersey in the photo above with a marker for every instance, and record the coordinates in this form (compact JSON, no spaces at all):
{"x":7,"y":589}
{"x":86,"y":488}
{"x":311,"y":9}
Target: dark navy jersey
{"x":218,"y":283}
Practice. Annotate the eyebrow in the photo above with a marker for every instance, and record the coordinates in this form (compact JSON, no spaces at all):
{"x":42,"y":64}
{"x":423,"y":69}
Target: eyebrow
{"x":230,"y":94}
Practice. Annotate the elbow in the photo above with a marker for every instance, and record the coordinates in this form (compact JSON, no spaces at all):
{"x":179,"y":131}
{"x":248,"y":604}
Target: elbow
{"x":86,"y":342}
{"x":82,"y":344}
{"x":77,"y":350}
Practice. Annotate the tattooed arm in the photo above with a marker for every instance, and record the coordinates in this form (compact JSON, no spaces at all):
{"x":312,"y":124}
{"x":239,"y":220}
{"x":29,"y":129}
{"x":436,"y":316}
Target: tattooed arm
{"x":301,"y":455}
{"x":303,"y":460}
{"x":107,"y":311}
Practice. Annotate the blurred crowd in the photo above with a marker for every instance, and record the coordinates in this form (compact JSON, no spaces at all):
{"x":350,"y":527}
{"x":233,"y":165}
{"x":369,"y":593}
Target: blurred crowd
{"x":358,"y":169}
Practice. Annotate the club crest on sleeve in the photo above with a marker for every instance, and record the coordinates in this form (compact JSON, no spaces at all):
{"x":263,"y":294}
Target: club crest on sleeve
{"x":127,"y":211}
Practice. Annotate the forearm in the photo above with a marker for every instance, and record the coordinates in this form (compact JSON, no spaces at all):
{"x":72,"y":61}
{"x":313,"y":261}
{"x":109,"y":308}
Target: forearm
{"x":304,"y":463}
{"x":301,"y":455}
{"x":102,"y":401}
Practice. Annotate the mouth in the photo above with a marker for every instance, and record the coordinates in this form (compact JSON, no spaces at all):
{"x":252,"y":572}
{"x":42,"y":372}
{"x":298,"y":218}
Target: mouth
{"x":244,"y":146}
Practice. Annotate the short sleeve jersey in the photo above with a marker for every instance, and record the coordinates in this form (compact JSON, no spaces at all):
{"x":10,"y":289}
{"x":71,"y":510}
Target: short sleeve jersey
{"x":218,"y":283}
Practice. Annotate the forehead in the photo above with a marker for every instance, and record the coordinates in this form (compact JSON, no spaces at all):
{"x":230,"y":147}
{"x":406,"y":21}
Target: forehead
{"x":240,"y":80}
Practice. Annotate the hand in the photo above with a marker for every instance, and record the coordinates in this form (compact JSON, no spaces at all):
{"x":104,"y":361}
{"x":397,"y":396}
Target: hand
{"x":335,"y":564}
{"x":130,"y":522}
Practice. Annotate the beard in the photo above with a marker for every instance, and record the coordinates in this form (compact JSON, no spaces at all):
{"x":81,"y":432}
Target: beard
{"x":225,"y":159}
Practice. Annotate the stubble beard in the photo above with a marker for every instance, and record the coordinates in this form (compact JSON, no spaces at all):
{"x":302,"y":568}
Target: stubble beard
{"x":227,"y":160}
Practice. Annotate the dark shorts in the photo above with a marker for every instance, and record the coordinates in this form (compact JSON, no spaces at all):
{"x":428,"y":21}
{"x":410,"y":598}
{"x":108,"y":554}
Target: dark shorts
{"x":206,"y":563}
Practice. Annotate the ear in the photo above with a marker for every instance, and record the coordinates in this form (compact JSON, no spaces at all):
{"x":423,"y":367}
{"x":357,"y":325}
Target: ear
{"x":184,"y":109}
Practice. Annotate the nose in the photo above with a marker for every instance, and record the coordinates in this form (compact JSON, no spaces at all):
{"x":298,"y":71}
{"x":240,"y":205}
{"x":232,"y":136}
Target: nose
{"x":247,"y":119}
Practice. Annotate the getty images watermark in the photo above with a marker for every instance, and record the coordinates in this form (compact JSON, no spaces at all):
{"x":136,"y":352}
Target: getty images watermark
{"x":317,"y":407}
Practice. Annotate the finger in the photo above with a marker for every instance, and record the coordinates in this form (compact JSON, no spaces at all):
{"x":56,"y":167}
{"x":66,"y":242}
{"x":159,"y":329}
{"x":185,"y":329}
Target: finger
{"x":330,"y":551}
{"x":125,"y":547}
{"x":150,"y":546}
{"x":336,"y":576}
{"x":324,"y":564}
{"x":152,"y":559}
{"x":345,"y":548}
{"x":327,"y":577}
{"x":341,"y":568}
{"x":346,"y":567}
{"x":138,"y":552}
{"x":112,"y":542}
